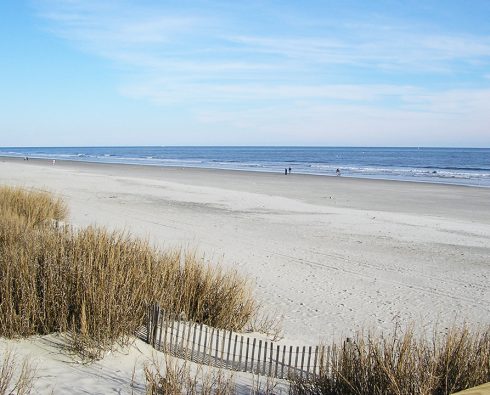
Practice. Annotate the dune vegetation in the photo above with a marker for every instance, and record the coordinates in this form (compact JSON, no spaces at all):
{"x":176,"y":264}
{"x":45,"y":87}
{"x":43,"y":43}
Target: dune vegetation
{"x":403,"y":363}
{"x":96,"y":285}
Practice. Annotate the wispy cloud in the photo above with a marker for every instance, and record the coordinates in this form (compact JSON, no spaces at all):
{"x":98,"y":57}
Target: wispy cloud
{"x":208,"y":59}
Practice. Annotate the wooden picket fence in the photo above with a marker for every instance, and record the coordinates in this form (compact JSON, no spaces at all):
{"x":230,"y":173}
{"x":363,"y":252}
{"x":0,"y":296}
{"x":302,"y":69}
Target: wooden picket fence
{"x":228,"y":350}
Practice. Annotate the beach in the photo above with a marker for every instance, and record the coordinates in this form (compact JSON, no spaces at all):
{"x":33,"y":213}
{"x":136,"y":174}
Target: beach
{"x":327,"y":255}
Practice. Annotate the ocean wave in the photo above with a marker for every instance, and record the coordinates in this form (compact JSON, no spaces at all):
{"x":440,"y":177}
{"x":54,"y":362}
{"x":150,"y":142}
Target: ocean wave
{"x":460,"y":169}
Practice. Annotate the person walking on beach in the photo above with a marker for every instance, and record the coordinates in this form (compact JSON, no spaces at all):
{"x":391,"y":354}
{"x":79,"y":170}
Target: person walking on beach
{"x":286,"y":172}
{"x":337,"y":172}
{"x":289,"y":170}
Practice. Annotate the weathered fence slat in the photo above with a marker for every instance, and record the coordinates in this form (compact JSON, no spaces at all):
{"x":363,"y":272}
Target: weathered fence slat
{"x":171,"y":335}
{"x":193,"y":341}
{"x":161,"y":330}
{"x":177,"y":332}
{"x":282,"y":361}
{"x":223,"y":348}
{"x":167,"y":320}
{"x":278,"y":348}
{"x":210,"y":353}
{"x":271,"y":350}
{"x":296,"y":360}
{"x":182,"y":349}
{"x":156,"y":314}
{"x":199,"y":341}
{"x":246,"y":354}
{"x":228,"y":351}
{"x":265,"y":358}
{"x":217,"y":347}
{"x":315,"y":361}
{"x":258,"y":357}
{"x":308,"y":363}
{"x":205,"y":344}
{"x":240,"y":356}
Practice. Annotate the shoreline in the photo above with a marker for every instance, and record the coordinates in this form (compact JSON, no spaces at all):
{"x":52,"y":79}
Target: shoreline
{"x":159,"y":165}
{"x":346,"y":188}
{"x":331,"y":255}
{"x":48,"y":161}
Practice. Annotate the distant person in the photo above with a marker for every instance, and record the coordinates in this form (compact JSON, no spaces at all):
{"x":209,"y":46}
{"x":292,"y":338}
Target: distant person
{"x":337,"y":172}
{"x":54,"y":161}
{"x":289,"y":170}
{"x":286,"y":172}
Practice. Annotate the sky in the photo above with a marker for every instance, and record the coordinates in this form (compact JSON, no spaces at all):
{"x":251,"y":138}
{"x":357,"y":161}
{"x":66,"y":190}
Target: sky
{"x":314,"y":73}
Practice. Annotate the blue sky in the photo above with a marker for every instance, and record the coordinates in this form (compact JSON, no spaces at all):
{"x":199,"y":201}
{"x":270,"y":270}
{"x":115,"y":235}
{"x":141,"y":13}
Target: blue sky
{"x":362,"y":73}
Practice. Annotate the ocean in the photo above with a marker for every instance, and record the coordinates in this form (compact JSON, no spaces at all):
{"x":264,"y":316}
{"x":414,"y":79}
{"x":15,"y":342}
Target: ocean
{"x":464,"y":166}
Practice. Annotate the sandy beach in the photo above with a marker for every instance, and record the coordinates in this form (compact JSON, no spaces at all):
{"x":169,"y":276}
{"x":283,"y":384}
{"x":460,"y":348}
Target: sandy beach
{"x":328,"y":255}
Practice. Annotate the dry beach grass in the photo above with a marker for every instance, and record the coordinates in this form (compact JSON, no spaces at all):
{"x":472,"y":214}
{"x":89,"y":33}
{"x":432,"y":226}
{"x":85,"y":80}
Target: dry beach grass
{"x":15,"y":379}
{"x":97,"y":284}
{"x":402,"y":363}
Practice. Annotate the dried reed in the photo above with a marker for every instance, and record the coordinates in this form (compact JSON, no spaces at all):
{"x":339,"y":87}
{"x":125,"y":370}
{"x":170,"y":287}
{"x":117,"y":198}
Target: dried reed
{"x":35,"y":207}
{"x":404,"y":364}
{"x":97,"y":284}
{"x":174,"y":377}
{"x":13,"y":381}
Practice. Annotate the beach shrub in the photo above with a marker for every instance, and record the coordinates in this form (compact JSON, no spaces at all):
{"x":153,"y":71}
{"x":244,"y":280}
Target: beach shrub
{"x":97,"y":284}
{"x":402,"y":363}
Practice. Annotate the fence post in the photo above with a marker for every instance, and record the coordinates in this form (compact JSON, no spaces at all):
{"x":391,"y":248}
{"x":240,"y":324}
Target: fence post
{"x":193,"y":341}
{"x":234,"y":353}
{"x":246,"y":354}
{"x":253,"y":355}
{"x":148,"y":324}
{"x":161,"y":330}
{"x":190,"y":325}
{"x":302,"y":360}
{"x":217,"y":348}
{"x":315,"y":361}
{"x":265,"y":357}
{"x":171,"y":334}
{"x":278,"y":348}
{"x":271,"y":351}
{"x":205,"y":345}
{"x":258,"y":357}
{"x":228,"y":352}
{"x":167,"y":323}
{"x":223,"y":347}
{"x":283,"y":361}
{"x":240,"y":356}
{"x":183,"y":338}
{"x":199,"y":341}
{"x":176,"y":343}
{"x":308,"y":364}
{"x":210,"y":346}
{"x":156,"y":314}
{"x":296,"y":360}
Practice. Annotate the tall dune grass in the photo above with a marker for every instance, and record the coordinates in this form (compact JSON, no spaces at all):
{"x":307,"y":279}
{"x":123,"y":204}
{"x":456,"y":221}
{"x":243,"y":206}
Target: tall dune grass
{"x":404,"y":364}
{"x":35,"y":207}
{"x":97,"y":284}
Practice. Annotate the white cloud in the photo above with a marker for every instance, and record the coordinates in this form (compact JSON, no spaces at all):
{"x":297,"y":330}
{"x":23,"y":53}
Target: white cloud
{"x":213,"y":65}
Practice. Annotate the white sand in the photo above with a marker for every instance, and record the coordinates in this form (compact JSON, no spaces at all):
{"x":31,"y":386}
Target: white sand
{"x":331,"y":255}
